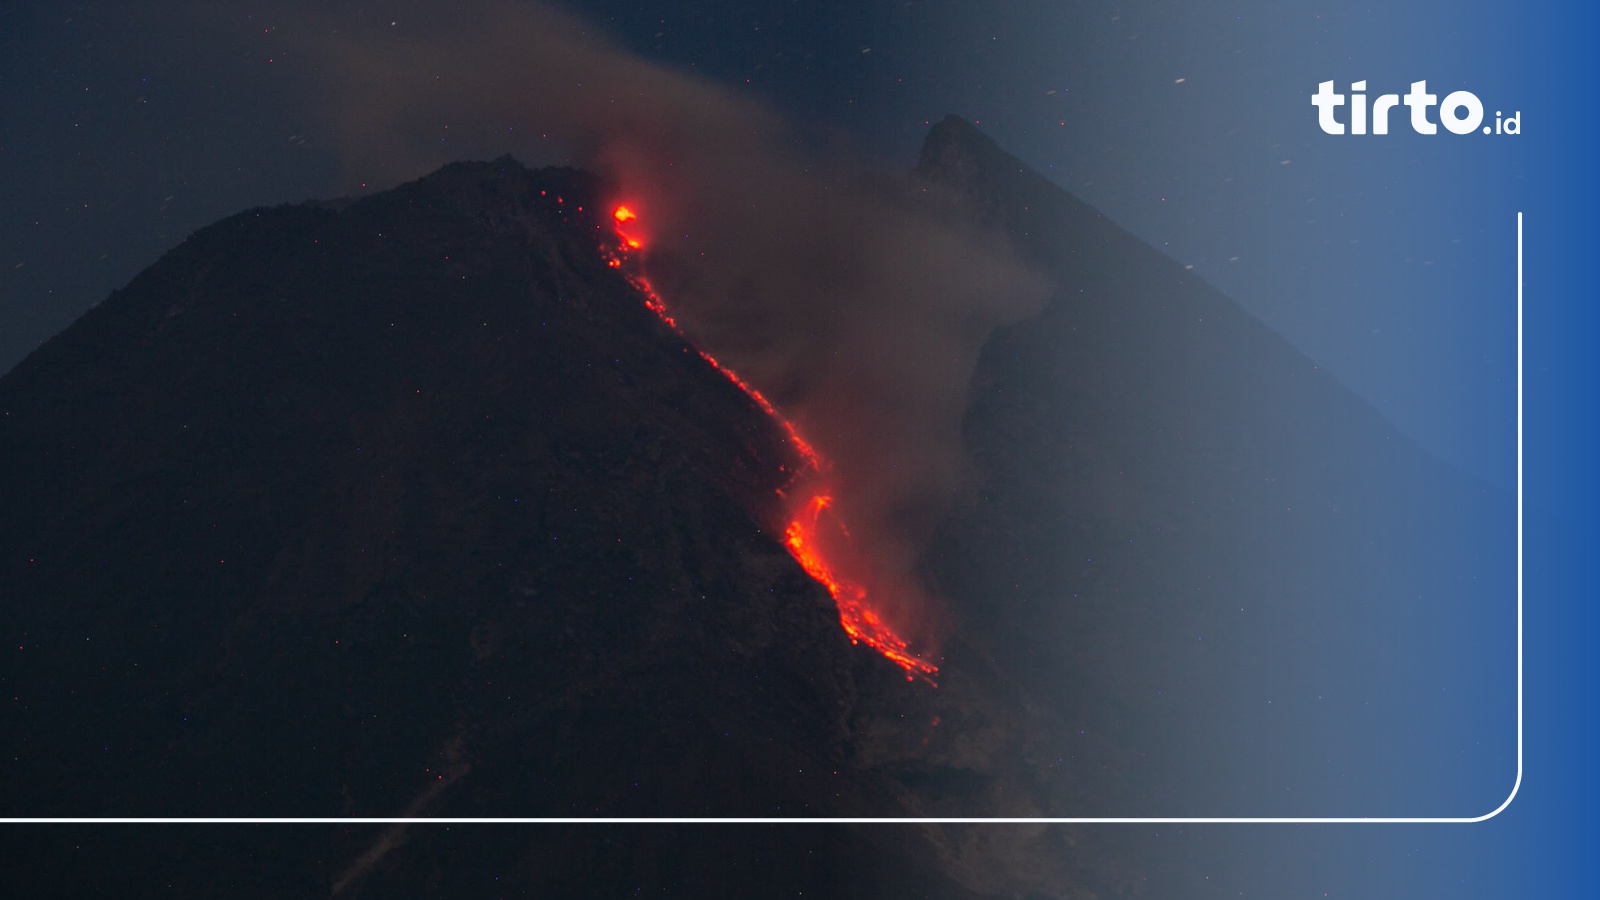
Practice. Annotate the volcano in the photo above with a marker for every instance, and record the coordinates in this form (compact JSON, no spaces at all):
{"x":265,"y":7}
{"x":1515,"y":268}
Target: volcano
{"x":420,"y":505}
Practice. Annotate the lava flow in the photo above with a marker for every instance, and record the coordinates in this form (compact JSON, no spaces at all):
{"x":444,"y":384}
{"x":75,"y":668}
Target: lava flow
{"x":859,"y":620}
{"x":808,"y":534}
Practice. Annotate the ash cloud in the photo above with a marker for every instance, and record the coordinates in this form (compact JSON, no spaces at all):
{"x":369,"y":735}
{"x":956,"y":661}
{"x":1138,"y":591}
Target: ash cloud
{"x":859,"y":314}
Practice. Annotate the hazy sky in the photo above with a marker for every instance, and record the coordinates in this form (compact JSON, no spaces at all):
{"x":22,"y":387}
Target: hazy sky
{"x":1389,"y":260}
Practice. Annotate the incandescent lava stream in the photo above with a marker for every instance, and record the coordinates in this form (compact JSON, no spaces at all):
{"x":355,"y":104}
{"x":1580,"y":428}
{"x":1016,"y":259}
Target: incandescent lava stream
{"x":814,"y":532}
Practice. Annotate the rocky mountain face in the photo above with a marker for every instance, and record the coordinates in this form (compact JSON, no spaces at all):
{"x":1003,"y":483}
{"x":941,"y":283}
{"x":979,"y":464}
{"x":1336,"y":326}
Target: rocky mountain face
{"x":408,"y":506}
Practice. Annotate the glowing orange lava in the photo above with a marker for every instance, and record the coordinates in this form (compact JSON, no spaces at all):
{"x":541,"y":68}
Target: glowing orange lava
{"x":804,"y":535}
{"x":859,"y":620}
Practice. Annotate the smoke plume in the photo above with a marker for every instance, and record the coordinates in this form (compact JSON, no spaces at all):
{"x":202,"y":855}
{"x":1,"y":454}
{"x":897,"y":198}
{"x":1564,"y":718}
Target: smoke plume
{"x":858,"y":315}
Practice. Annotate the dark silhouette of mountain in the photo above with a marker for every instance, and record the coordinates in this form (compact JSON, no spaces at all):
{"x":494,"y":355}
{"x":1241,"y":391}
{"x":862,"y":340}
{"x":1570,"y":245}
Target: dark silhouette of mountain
{"x":408,"y":506}
{"x":323,"y":505}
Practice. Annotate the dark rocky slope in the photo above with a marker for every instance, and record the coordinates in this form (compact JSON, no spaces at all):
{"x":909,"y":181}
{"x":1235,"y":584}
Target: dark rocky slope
{"x":327,"y":504}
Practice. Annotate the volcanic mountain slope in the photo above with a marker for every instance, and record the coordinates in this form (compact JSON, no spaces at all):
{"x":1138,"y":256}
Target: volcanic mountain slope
{"x":327,"y":503}
{"x":411,"y":506}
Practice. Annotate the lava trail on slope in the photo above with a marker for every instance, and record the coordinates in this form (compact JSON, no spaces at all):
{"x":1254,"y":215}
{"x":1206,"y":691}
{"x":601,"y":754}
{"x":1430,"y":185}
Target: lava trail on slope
{"x":815,"y":535}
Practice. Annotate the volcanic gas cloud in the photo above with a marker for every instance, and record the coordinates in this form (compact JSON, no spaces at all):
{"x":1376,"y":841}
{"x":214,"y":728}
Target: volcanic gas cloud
{"x":849,"y":314}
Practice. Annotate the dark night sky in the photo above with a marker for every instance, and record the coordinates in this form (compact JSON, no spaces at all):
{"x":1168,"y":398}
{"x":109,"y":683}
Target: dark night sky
{"x":127,"y":126}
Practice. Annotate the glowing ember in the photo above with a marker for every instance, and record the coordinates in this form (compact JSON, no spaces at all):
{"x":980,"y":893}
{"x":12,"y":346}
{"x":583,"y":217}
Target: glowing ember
{"x":807,"y":532}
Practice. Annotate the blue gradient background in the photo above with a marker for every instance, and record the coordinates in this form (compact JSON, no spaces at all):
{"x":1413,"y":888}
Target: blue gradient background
{"x":1543,"y":845}
{"x":1539,"y":58}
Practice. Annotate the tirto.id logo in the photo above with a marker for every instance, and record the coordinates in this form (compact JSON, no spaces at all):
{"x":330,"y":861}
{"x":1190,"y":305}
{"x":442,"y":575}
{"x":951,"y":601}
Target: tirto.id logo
{"x":1460,"y":113}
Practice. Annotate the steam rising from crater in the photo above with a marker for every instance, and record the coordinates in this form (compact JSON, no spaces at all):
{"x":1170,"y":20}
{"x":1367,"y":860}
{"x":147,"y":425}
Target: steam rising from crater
{"x":860,"y":316}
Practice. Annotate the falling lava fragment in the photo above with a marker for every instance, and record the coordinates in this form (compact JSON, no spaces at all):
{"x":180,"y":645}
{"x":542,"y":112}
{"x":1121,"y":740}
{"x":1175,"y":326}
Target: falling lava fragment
{"x":859,"y":620}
